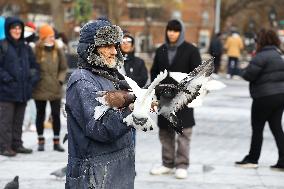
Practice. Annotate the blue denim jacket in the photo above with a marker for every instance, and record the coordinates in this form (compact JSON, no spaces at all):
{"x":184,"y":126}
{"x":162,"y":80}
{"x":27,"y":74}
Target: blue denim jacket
{"x":100,"y":152}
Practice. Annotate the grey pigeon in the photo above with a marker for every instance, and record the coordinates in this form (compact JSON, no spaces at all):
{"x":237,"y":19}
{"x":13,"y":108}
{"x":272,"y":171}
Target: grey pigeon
{"x":183,"y":93}
{"x":59,"y":173}
{"x":14,"y":184}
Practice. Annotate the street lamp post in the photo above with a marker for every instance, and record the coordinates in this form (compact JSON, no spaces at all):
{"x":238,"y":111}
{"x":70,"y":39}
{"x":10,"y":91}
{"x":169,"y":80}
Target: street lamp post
{"x":217,"y":15}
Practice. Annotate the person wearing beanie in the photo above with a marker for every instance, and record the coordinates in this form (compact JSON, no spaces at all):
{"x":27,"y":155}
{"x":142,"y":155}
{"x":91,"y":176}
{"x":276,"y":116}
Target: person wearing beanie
{"x":175,"y":55}
{"x":18,"y":75}
{"x":53,"y":69}
{"x":30,"y":34}
{"x":100,"y":148}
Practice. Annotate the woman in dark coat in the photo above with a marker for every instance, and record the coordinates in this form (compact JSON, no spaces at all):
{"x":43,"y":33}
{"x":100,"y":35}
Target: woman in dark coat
{"x":176,"y":55}
{"x":100,"y":147}
{"x":266,"y":76}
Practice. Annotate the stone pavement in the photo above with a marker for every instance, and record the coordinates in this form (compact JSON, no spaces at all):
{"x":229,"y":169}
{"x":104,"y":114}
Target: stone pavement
{"x":221,"y":137}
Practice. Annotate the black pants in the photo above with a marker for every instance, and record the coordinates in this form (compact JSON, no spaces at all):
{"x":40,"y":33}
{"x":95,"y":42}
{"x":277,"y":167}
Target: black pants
{"x":11,"y":121}
{"x":217,"y":63}
{"x":269,"y":108}
{"x":40,"y":116}
{"x":233,"y":66}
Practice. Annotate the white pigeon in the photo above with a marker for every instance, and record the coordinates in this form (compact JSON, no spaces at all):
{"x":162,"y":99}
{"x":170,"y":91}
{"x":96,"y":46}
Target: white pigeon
{"x":140,"y":118}
{"x":187,"y":89}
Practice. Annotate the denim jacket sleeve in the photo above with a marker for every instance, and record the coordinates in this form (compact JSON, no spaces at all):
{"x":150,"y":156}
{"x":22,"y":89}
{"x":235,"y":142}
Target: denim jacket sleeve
{"x":110,"y":126}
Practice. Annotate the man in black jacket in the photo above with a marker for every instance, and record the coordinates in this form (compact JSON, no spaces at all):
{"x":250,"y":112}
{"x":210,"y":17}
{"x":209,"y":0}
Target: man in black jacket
{"x":175,"y":55}
{"x":134,"y":67}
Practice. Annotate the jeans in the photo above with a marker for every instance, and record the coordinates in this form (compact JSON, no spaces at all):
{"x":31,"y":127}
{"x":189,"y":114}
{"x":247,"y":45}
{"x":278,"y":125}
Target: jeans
{"x":233,"y":68}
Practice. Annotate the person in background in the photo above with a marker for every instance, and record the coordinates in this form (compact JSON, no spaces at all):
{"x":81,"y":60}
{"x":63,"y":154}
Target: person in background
{"x":18,"y":75}
{"x":265,"y":74}
{"x":30,"y":113}
{"x":175,"y":55}
{"x":133,"y":67}
{"x":233,"y":45}
{"x":216,"y":50}
{"x":53,"y":67}
{"x":100,"y":148}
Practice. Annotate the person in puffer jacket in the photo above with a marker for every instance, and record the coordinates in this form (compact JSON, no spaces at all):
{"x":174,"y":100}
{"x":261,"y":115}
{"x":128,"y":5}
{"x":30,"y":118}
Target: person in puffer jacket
{"x":100,"y":147}
{"x":265,"y":74}
{"x":19,"y":73}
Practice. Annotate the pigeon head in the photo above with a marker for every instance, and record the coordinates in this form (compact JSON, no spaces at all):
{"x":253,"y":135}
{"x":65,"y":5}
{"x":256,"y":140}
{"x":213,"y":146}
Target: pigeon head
{"x":139,"y":121}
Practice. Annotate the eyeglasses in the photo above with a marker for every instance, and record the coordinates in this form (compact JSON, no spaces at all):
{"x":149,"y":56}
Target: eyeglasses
{"x":126,"y":40}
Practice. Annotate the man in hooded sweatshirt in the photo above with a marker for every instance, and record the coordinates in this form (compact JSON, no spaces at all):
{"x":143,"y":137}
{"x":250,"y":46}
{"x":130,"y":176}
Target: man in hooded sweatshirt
{"x":175,"y":55}
{"x":18,"y":74}
{"x":100,"y":147}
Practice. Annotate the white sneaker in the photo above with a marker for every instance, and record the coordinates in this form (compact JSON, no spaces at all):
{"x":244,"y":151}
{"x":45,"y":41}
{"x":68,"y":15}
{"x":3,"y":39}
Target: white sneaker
{"x":181,"y":173}
{"x":160,"y":170}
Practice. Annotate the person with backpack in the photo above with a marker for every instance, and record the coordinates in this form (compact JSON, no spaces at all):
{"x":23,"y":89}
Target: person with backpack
{"x":18,"y":75}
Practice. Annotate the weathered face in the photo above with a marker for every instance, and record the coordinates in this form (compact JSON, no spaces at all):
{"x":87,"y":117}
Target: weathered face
{"x":49,"y":40}
{"x":109,"y":53}
{"x":126,"y":45}
{"x":16,"y":32}
{"x":173,"y":36}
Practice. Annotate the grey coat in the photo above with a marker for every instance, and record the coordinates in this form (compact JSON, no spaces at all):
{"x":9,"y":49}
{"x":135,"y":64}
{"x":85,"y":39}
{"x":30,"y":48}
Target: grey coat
{"x":266,"y":73}
{"x":100,"y":152}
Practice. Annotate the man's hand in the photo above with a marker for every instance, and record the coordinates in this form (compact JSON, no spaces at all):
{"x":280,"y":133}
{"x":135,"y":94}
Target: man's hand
{"x":154,"y":106}
{"x":119,"y":98}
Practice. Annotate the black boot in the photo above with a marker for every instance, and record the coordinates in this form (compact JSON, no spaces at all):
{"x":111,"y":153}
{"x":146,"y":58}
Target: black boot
{"x":57,"y":146}
{"x":40,"y":144}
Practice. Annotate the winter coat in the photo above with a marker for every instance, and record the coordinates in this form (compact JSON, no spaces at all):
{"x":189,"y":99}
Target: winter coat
{"x":187,"y":58}
{"x":216,"y":47}
{"x":18,"y":69}
{"x":266,"y":73}
{"x":135,"y":69}
{"x":100,"y":152}
{"x":234,"y":45}
{"x":53,"y":69}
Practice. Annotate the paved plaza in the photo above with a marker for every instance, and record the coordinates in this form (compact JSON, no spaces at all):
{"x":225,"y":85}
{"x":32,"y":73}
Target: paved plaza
{"x":221,"y":137}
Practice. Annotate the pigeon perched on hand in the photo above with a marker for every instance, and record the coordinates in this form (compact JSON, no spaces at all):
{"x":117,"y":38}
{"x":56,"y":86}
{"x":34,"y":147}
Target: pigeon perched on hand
{"x":14,"y":184}
{"x":139,"y":118}
{"x":115,"y":99}
{"x":172,"y":97}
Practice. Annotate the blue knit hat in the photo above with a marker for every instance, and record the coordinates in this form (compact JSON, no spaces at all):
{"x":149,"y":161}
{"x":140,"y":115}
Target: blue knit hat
{"x":100,"y":32}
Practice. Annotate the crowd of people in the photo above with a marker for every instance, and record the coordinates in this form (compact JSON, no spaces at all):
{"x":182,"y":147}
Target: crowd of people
{"x":101,"y":148}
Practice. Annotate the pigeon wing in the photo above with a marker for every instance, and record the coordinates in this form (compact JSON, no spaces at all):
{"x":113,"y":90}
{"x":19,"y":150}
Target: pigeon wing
{"x":189,"y":89}
{"x":134,"y":86}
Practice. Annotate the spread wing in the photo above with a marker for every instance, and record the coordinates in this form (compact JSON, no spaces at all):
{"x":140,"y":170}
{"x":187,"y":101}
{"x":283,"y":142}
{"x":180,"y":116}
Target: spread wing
{"x":187,"y":90}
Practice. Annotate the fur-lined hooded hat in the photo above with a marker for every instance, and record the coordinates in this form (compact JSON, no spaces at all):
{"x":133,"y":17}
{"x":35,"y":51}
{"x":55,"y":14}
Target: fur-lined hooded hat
{"x":95,"y":34}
